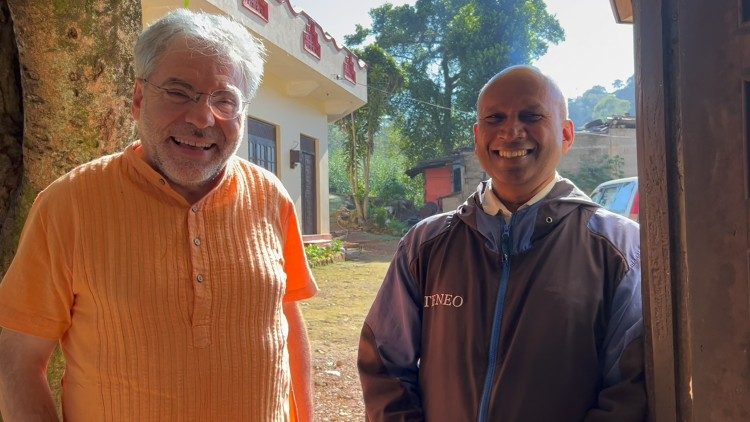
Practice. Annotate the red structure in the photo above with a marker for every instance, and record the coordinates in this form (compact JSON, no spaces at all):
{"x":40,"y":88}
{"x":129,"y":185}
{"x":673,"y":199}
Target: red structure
{"x":310,"y":40}
{"x":259,"y":7}
{"x":438,"y":182}
{"x":349,"y":73}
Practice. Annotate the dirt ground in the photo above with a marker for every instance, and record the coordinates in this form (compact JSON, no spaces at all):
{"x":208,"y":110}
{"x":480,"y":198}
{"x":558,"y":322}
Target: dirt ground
{"x":334,"y":319}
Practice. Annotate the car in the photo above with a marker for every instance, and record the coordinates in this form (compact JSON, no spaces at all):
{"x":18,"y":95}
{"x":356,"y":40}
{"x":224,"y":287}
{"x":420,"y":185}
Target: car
{"x":619,"y":196}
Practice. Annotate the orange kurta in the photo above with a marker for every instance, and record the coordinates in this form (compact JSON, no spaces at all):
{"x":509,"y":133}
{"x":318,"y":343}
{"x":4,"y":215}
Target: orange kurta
{"x":163,"y":310}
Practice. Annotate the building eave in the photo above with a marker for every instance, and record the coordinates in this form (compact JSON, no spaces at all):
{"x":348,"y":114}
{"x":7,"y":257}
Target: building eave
{"x":623,"y":10}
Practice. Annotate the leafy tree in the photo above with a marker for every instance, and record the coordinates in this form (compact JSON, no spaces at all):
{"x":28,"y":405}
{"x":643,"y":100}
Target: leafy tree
{"x":385,"y":77}
{"x":388,"y":180}
{"x":581,"y":109}
{"x":338,"y":182}
{"x":597,"y":103}
{"x":627,"y":92}
{"x":609,"y":105}
{"x":449,"y":49}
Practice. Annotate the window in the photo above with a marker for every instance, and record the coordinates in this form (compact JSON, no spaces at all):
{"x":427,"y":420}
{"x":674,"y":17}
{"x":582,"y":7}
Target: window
{"x":259,"y":7}
{"x":262,"y":144}
{"x":310,"y":40}
{"x":616,"y":198}
{"x":349,"y":73}
{"x":457,"y":178}
{"x":621,"y":201}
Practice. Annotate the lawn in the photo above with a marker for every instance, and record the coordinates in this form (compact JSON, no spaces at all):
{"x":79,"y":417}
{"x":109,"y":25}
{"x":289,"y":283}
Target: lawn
{"x":334,"y":319}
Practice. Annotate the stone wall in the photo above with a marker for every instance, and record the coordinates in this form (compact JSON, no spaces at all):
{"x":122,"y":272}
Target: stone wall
{"x":589,"y":145}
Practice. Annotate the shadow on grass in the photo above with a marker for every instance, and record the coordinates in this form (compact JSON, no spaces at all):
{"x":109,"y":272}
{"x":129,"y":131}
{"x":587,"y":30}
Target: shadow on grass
{"x":370,"y":247}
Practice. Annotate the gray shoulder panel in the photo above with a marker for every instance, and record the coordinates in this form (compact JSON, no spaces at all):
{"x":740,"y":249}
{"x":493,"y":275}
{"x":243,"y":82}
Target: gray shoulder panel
{"x":622,"y":233}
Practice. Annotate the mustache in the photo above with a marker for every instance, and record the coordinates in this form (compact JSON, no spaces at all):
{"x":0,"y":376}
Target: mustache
{"x":188,"y":130}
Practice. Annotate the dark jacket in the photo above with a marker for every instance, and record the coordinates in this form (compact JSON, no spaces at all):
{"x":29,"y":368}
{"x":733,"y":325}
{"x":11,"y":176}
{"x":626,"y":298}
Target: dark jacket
{"x":536,"y":320}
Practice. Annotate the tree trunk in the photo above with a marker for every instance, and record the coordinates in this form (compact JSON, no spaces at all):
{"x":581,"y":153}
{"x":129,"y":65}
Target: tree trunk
{"x":352,"y":167}
{"x":77,"y":75}
{"x":11,"y":123}
{"x":366,"y":175}
{"x":447,"y":143}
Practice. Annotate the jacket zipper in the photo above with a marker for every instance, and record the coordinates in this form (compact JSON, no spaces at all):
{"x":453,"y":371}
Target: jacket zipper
{"x":496,"y":325}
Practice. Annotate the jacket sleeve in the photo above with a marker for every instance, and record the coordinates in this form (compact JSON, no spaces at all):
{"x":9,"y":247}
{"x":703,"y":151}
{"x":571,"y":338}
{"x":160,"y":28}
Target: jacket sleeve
{"x":389,"y":347}
{"x":623,"y":393}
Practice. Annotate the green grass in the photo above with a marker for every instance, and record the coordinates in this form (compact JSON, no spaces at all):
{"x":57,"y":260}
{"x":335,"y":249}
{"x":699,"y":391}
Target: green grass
{"x":334,"y":320}
{"x":347,"y":289}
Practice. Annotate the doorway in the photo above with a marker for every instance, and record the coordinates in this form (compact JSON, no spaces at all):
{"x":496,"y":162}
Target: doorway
{"x":309,"y":169}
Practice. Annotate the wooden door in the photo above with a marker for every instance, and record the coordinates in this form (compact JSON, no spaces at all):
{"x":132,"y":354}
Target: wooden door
{"x":309,"y":185}
{"x":693,"y":77}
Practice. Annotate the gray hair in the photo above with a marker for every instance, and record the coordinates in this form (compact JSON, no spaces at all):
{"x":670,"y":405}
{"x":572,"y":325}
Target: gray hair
{"x":216,"y":35}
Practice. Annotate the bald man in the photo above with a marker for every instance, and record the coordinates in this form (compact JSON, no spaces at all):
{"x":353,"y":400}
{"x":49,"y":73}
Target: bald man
{"x":524,"y":304}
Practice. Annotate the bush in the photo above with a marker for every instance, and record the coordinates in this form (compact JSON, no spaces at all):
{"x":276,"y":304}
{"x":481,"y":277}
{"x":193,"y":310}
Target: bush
{"x":320,"y":255}
{"x":397,"y":227}
{"x":383,"y":222}
{"x":595,"y":170}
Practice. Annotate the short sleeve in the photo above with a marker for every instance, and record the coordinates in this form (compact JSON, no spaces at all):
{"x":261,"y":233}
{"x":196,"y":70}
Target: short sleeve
{"x":36,"y":295}
{"x":300,"y":283}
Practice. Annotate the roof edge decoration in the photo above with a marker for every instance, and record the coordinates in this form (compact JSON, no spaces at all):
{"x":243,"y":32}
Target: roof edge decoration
{"x":326,"y":36}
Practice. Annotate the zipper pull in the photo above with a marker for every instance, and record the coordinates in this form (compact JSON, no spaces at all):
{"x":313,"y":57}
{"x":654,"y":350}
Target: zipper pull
{"x":504,"y":244}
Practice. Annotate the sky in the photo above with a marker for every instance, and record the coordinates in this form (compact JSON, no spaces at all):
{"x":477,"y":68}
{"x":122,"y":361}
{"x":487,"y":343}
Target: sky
{"x":596,"y":50}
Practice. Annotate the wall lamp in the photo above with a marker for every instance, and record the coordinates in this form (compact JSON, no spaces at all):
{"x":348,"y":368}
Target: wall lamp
{"x":294,"y":158}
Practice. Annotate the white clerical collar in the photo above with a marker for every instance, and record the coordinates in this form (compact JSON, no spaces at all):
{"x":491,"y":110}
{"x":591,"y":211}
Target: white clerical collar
{"x":492,"y":205}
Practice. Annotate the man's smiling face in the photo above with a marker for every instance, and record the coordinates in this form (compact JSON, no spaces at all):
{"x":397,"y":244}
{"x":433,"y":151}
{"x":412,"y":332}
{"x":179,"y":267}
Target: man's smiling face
{"x":521,"y":133}
{"x":187,"y":143}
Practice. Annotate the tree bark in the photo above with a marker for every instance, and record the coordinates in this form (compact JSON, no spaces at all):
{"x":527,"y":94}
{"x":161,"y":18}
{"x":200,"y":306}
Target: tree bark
{"x":352,"y":168}
{"x":367,"y":166}
{"x":75,"y":67}
{"x":448,"y":143}
{"x":11,"y":119}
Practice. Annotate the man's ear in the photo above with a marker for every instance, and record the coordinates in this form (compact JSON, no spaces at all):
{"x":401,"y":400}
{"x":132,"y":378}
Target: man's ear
{"x":569,"y":134}
{"x":474,"y":129}
{"x":137,"y":98}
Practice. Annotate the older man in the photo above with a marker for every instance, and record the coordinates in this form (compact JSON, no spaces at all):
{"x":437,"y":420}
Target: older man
{"x":524,"y":303}
{"x":170,"y":272}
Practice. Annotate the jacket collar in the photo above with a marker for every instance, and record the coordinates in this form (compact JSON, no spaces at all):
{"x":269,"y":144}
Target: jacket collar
{"x":528,"y":224}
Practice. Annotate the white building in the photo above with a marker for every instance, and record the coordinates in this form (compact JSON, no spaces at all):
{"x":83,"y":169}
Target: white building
{"x":309,"y":82}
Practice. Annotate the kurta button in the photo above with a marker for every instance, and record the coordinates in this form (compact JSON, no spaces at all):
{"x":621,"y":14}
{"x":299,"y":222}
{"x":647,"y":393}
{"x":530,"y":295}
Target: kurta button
{"x":162,"y":181}
{"x":199,"y":278}
{"x":197,"y":241}
{"x":194,"y":209}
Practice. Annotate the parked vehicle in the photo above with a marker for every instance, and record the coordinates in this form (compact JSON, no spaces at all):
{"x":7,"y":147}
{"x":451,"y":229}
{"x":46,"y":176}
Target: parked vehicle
{"x":619,"y":196}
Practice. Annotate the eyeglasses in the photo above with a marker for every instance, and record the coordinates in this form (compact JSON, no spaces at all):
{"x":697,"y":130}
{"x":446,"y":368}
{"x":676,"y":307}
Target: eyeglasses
{"x":225,"y":104}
